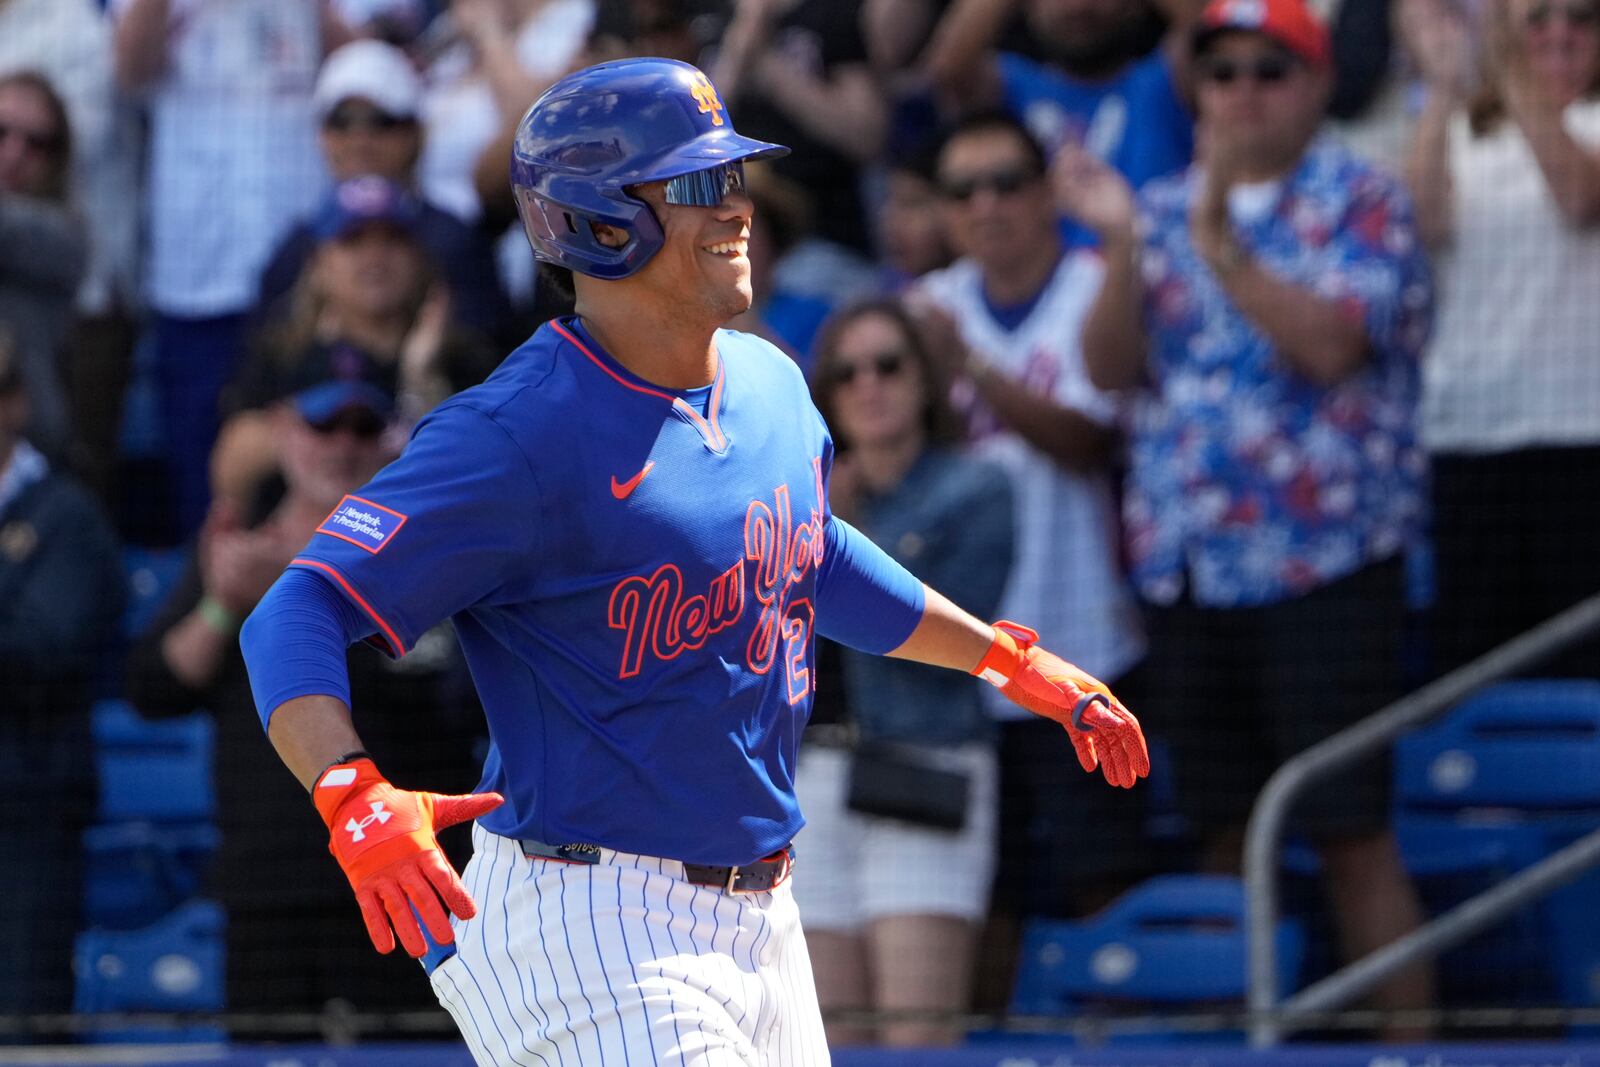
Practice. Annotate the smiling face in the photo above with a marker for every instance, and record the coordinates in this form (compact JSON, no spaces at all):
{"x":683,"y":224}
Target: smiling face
{"x":875,"y":383}
{"x":702,"y":269}
{"x":996,"y":198}
{"x":323,"y":463}
{"x":374,"y":270}
{"x":1266,"y":102}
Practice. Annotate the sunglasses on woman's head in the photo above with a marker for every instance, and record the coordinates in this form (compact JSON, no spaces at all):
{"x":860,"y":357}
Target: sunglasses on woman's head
{"x":1264,"y":70}
{"x":1583,"y":13}
{"x":883,"y":365}
{"x":706,"y":188}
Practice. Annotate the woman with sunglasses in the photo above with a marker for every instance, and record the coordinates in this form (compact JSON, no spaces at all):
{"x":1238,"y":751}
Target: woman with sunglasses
{"x":1505,"y":168}
{"x":43,"y":244}
{"x":892,"y":904}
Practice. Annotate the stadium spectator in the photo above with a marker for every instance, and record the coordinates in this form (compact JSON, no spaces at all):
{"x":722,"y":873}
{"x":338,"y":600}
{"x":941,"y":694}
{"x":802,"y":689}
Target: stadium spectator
{"x":366,"y":305}
{"x":366,"y":101}
{"x":69,"y":42}
{"x":61,"y":594}
{"x":291,"y":944}
{"x":502,"y":54}
{"x":795,"y":72}
{"x":911,"y":226}
{"x":233,"y":161}
{"x":1271,"y":317}
{"x":497,"y":57}
{"x":43,"y":247}
{"x":1507,"y":182}
{"x":1017,"y":298}
{"x":1101,"y":87}
{"x":892,"y":905}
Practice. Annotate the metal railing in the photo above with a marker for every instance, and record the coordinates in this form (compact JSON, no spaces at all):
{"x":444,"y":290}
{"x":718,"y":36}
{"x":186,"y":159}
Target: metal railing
{"x":1269,"y":1018}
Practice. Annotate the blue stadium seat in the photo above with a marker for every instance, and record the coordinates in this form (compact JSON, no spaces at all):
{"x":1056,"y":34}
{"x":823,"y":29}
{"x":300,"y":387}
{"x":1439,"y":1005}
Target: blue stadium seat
{"x":136,"y":872}
{"x":151,"y":574}
{"x":154,"y":771}
{"x":1173,"y":941}
{"x":1509,"y":776}
{"x":173,"y":965}
{"x":1531,"y":745}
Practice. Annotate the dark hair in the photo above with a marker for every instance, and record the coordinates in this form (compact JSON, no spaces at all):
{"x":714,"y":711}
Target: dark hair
{"x":60,"y":148}
{"x":940,"y":422}
{"x":10,"y":366}
{"x":990,"y":121}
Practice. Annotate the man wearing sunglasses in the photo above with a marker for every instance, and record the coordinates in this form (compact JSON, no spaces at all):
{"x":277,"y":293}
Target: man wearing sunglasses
{"x":1016,"y":298}
{"x":629,"y":525}
{"x":1267,"y":314}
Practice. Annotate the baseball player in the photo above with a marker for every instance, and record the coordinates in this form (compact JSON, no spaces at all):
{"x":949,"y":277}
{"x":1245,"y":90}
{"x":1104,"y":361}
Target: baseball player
{"x":629,"y":525}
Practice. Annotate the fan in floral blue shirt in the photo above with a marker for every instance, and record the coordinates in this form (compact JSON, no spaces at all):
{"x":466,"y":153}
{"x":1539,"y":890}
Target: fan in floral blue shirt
{"x":1267,"y":309}
{"x":1251,"y":481}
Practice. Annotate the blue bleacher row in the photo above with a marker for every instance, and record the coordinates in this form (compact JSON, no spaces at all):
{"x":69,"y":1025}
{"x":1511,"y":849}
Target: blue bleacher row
{"x":1506,"y":778}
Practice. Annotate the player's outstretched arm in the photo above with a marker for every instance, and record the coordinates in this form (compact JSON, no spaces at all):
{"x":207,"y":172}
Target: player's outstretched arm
{"x":1103,"y":732}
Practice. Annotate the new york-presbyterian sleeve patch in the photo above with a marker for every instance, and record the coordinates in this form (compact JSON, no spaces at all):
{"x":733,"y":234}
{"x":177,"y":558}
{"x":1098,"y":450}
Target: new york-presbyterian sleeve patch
{"x":363,"y":523}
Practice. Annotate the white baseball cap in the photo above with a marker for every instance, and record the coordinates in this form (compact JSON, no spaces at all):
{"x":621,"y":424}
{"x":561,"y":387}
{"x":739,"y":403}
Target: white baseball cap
{"x":372,"y":70}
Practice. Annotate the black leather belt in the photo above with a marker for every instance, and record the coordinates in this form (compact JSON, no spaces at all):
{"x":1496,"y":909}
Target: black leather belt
{"x":758,"y":877}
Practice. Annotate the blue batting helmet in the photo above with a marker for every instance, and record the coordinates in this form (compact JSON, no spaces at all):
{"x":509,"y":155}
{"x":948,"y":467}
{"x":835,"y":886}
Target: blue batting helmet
{"x":595,"y":133}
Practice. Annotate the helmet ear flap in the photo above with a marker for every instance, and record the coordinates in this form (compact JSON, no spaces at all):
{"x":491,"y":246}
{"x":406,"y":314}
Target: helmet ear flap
{"x":565,"y":236}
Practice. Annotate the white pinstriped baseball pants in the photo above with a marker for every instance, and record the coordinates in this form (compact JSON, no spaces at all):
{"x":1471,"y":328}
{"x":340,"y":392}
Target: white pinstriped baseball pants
{"x":624,"y":964}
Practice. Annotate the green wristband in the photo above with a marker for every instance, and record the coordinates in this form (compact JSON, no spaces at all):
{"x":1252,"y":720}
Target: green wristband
{"x":219,"y":618}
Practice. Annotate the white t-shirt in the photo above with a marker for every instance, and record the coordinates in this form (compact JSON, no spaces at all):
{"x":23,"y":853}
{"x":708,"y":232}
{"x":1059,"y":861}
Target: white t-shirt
{"x":1515,"y":360}
{"x":1065,"y":581}
{"x":233,"y":150}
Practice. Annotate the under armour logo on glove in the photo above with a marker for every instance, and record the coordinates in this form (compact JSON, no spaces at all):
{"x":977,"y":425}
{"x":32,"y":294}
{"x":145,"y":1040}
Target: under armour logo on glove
{"x":358,"y":829}
{"x":390,"y":855}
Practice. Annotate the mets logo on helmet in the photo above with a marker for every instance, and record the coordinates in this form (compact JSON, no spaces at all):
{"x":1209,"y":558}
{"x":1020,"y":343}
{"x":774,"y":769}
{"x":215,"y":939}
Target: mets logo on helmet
{"x":706,"y":94}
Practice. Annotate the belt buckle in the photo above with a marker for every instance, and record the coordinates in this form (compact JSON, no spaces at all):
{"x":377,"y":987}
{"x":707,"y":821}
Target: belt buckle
{"x":733,"y":876}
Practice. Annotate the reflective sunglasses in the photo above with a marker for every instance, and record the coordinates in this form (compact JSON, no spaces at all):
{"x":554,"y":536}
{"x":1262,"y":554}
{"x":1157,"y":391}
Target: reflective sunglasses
{"x":1265,"y":70}
{"x":882,"y":365}
{"x":341,"y":120}
{"x":1581,"y":13}
{"x":706,"y":188}
{"x":1000,"y":182}
{"x":363,"y":425}
{"x":43,"y":143}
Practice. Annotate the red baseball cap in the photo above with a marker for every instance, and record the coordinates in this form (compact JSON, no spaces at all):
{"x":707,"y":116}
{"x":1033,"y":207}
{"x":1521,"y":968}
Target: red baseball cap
{"x":1288,"y":22}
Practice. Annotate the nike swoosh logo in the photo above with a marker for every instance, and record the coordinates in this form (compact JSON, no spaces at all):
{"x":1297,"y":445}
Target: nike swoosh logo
{"x":621,"y":490}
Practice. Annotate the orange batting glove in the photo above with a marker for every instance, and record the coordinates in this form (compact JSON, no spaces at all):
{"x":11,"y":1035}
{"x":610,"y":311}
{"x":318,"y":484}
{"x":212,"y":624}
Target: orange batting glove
{"x":383,"y":838}
{"x":1104,"y":733}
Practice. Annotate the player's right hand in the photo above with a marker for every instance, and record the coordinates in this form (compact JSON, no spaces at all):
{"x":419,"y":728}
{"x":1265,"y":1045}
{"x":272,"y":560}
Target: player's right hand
{"x":1104,"y":734}
{"x":383,"y":837}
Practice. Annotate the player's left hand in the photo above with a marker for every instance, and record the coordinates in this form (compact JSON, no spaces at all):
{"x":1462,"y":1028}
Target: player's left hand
{"x":383,"y":837}
{"x":1103,"y":732}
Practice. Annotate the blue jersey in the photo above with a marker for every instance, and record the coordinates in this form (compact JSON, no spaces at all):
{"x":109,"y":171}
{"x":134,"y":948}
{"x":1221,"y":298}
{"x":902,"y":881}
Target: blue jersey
{"x":1137,"y":121}
{"x":632,"y":572}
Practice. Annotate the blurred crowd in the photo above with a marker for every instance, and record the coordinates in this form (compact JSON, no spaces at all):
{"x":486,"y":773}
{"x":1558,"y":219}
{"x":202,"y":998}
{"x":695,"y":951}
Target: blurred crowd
{"x":1248,"y":349}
